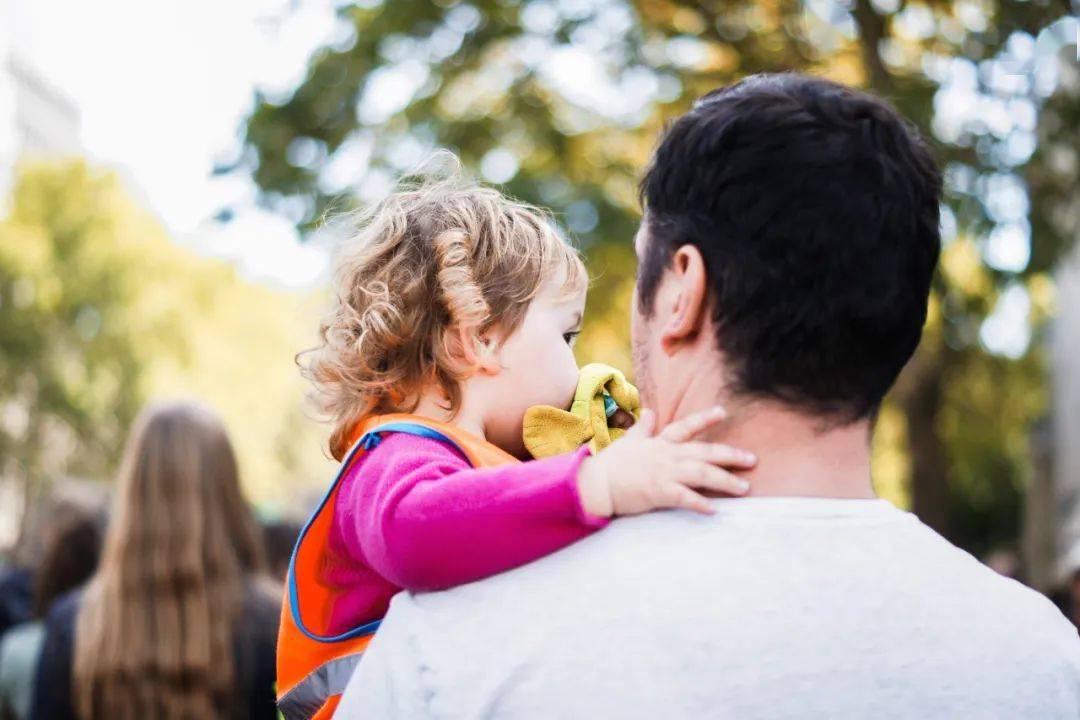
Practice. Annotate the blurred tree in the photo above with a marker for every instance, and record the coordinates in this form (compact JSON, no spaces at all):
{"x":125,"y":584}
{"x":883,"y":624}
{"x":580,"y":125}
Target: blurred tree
{"x":240,"y":339}
{"x":101,"y":312}
{"x":561,"y":101}
{"x":72,"y":363}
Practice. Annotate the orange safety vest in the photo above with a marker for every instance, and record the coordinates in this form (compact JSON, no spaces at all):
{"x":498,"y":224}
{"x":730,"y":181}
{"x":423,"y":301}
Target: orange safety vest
{"x":313,"y":667}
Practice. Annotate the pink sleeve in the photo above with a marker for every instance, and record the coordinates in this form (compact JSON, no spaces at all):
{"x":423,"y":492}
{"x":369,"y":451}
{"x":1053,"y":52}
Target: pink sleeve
{"x":423,"y":518}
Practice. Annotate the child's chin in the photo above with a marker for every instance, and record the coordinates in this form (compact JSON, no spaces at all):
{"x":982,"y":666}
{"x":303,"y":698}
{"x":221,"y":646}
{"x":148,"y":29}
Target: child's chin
{"x":519,"y":451}
{"x":523,"y":455}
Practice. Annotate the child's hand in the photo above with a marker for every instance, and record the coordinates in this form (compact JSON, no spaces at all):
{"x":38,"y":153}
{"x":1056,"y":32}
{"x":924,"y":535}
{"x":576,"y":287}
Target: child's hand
{"x":641,"y":472}
{"x":621,"y":420}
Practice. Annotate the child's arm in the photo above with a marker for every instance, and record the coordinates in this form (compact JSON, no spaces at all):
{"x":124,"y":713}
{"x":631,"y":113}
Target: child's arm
{"x":424,"y":519}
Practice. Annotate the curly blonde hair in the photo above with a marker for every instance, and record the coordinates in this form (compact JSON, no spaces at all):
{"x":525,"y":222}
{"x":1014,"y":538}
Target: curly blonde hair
{"x":432,"y":269}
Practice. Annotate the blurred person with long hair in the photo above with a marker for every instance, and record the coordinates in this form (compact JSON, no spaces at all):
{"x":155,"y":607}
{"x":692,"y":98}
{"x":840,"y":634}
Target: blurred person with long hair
{"x":70,"y":556}
{"x":178,"y":621}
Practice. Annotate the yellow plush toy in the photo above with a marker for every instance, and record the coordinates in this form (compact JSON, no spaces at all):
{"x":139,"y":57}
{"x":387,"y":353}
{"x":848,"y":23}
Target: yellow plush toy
{"x":601,"y":391}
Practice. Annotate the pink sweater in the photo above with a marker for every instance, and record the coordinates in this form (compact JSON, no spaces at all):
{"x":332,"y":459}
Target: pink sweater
{"x":413,"y":514}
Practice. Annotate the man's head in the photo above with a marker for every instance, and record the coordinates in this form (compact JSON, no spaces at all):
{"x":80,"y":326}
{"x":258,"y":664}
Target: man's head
{"x":789,"y":240}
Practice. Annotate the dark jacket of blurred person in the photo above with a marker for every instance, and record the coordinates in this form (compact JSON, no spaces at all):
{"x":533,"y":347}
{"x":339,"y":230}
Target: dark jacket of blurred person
{"x":17,"y":580}
{"x":71,"y":554}
{"x":178,"y":621}
{"x":280,"y":536}
{"x":16,"y":596}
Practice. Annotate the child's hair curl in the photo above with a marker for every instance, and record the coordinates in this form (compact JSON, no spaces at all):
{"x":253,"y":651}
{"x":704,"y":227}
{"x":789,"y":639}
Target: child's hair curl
{"x":433,"y":268}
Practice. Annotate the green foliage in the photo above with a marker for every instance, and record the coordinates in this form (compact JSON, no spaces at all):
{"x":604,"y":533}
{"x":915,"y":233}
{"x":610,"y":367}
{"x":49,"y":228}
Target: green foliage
{"x":72,"y":368}
{"x":100,"y":312}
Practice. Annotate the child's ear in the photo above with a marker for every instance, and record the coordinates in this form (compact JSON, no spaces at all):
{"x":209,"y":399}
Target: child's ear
{"x":479,"y":350}
{"x":488,"y":358}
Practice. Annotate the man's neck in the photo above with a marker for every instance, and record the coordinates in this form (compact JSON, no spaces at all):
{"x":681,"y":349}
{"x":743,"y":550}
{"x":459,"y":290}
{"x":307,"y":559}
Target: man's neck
{"x":797,"y":454}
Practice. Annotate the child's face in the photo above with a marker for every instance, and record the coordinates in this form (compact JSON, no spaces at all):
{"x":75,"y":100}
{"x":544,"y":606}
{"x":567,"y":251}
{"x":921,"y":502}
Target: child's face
{"x":537,"y":366}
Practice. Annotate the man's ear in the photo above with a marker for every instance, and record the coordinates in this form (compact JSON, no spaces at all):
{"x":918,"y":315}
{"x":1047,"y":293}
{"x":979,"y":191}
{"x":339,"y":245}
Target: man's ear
{"x":690,"y":283}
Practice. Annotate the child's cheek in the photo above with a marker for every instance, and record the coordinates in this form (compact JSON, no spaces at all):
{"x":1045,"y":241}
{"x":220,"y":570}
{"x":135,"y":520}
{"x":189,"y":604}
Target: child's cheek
{"x":567,"y":398}
{"x":564,"y":383}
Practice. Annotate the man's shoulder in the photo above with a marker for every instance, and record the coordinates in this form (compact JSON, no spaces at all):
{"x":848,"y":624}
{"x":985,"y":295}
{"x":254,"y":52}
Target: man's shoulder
{"x":970,"y":577}
{"x":680,"y":550}
{"x":602,"y":563}
{"x":885,"y":598}
{"x":1026,"y":615}
{"x":998,"y":614}
{"x":1026,"y":626}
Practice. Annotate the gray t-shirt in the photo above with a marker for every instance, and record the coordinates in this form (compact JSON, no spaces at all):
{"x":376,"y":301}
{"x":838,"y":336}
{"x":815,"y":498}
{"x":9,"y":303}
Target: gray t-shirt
{"x":772,"y":608}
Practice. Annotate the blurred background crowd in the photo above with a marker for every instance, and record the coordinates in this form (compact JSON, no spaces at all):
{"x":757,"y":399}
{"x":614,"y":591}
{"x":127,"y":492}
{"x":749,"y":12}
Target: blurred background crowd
{"x":175,"y":175}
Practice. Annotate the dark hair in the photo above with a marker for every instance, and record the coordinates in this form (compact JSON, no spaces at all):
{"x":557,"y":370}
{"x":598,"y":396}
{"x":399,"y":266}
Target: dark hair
{"x":815,"y":207}
{"x":70,"y":558}
{"x":279,"y":537}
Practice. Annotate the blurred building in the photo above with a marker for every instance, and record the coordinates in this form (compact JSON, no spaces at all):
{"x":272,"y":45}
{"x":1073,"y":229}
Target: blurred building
{"x":40,"y":118}
{"x":35,"y":117}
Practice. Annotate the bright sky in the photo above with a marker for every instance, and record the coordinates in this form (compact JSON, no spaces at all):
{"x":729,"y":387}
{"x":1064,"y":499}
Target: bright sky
{"x":162,"y":88}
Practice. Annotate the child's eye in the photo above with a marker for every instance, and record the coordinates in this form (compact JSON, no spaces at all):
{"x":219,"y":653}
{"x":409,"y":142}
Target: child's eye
{"x":570,"y":337}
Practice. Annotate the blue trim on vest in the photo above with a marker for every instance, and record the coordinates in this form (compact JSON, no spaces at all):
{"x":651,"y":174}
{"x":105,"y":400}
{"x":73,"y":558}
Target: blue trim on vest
{"x":368,"y":441}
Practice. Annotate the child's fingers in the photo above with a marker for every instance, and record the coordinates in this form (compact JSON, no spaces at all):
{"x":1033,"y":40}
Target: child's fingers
{"x":680,"y":496}
{"x":621,"y":419}
{"x":703,"y":476}
{"x":686,"y":428}
{"x":717,"y":454}
{"x":644,"y":426}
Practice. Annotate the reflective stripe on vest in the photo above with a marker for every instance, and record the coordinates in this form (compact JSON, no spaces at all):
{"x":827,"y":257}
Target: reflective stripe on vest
{"x":305,"y":699}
